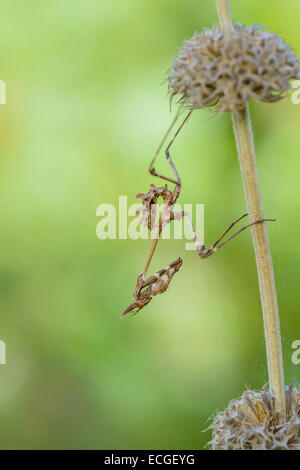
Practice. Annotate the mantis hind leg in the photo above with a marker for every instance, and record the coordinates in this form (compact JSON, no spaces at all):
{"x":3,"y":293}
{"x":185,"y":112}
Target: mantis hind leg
{"x":202,"y":251}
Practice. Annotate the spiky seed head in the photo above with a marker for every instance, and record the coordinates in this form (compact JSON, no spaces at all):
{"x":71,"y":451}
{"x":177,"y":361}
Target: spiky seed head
{"x":229,"y":69}
{"x":248,"y":423}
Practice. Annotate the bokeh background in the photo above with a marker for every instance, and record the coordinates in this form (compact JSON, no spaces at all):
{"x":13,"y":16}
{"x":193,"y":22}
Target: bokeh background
{"x":85,"y":112}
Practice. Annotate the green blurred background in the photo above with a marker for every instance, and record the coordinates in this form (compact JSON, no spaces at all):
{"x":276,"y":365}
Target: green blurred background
{"x":85,"y":112}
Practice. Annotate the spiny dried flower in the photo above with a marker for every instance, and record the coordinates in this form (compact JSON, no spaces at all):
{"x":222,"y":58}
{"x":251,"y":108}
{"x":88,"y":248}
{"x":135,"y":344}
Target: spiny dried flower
{"x":248,"y":423}
{"x":229,"y":69}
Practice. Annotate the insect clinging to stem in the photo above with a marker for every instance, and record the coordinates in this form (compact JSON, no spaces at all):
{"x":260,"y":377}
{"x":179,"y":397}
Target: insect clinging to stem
{"x":159,"y":282}
{"x":154,"y":285}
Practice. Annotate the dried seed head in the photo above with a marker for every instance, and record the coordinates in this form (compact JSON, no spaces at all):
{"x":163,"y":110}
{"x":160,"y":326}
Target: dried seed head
{"x":248,"y":423}
{"x":230,"y":69}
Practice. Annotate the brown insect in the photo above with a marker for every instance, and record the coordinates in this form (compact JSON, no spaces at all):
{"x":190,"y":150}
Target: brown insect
{"x":159,"y":282}
{"x":154,"y":285}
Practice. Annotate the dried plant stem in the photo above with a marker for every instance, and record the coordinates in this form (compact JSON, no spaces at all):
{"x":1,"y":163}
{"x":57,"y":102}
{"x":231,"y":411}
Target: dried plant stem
{"x":246,"y":151}
{"x":224,"y":14}
{"x":245,"y":146}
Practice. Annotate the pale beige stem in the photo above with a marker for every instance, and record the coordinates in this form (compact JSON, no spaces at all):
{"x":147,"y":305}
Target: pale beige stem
{"x":224,"y":14}
{"x":246,"y":151}
{"x":245,"y":146}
